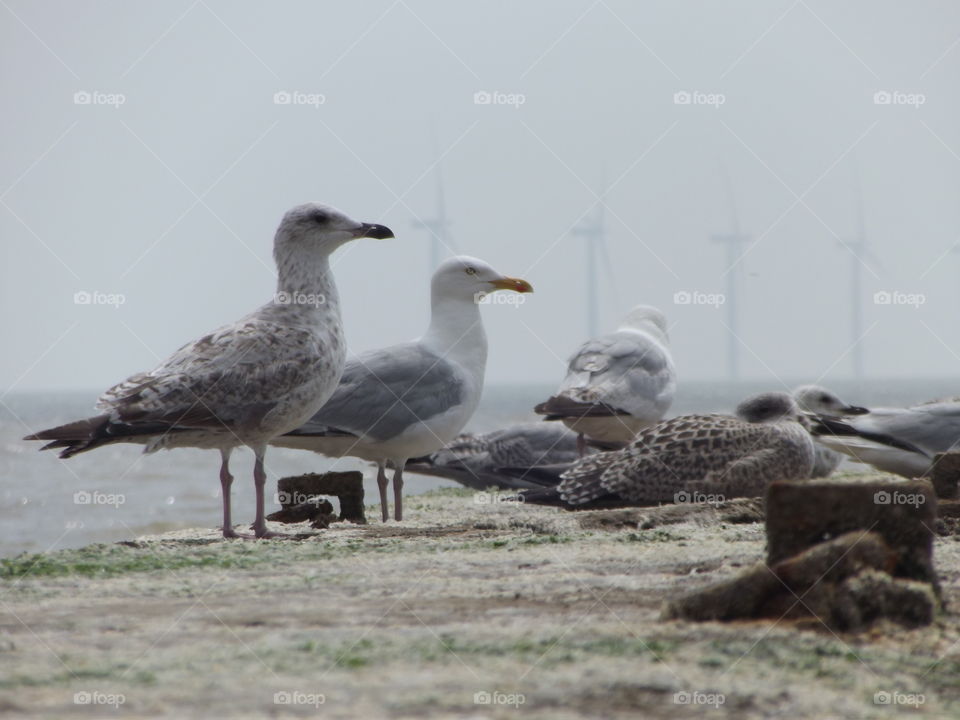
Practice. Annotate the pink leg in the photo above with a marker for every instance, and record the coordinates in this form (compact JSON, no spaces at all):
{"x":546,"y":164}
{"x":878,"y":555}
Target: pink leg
{"x":382,"y":482}
{"x":398,"y":489}
{"x":226,"y":480}
{"x":259,"y":481}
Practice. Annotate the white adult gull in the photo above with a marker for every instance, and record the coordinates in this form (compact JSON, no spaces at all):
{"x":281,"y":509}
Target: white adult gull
{"x":619,"y":383}
{"x":246,"y":382}
{"x":817,"y":400}
{"x":904,"y":441}
{"x":411,"y":399}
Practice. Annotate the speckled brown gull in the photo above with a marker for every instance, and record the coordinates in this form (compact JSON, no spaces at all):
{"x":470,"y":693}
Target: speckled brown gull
{"x":407,"y":400}
{"x":695,"y":455}
{"x":247,"y":382}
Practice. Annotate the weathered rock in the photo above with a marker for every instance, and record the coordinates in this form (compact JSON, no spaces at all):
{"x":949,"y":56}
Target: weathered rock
{"x":946,"y":474}
{"x":802,"y":514}
{"x":299,"y":490}
{"x":308,"y":510}
{"x":738,"y":510}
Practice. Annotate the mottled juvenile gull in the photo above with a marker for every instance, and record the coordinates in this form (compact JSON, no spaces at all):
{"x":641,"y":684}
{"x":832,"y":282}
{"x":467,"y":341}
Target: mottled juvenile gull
{"x":693,"y":455}
{"x":246,"y":382}
{"x":820,"y":401}
{"x":903,"y":441}
{"x":475,"y":461}
{"x":408,"y":400}
{"x":617,"y":384}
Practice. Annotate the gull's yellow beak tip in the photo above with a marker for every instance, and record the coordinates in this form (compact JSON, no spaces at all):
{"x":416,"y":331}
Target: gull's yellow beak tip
{"x":515,"y":284}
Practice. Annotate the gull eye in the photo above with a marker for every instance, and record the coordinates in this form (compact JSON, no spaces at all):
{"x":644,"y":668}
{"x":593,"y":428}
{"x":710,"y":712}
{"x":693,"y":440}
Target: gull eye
{"x":320,"y":217}
{"x":471,"y":271}
{"x":824,"y":398}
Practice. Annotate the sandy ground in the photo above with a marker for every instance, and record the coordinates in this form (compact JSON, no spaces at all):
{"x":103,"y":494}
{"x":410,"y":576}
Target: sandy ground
{"x":465,"y":610}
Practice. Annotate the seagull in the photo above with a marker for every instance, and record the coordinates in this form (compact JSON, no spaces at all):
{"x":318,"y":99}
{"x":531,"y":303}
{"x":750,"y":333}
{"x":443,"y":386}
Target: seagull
{"x":409,"y":400}
{"x":817,"y":400}
{"x":903,"y":441}
{"x":683,"y":458}
{"x":475,"y":461}
{"x":246,"y":382}
{"x":619,"y":383}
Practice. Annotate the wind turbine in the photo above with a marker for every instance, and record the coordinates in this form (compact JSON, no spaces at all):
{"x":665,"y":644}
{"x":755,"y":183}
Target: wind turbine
{"x":437,"y":227}
{"x":734,"y":242}
{"x":593,"y":230}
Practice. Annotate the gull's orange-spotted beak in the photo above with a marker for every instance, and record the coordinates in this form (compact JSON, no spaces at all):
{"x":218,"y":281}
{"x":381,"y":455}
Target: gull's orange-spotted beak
{"x":515,"y":284}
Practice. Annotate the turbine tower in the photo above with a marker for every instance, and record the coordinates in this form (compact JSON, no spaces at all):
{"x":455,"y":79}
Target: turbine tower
{"x":859,"y":255}
{"x":593,"y":231}
{"x":437,"y":227}
{"x":734,"y":242}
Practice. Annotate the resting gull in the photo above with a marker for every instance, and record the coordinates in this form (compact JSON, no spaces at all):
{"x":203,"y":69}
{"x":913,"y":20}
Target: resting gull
{"x":475,"y":461}
{"x":619,"y":383}
{"x":408,"y":400}
{"x":246,"y":382}
{"x":903,"y":441}
{"x":820,"y":401}
{"x":692,"y":456}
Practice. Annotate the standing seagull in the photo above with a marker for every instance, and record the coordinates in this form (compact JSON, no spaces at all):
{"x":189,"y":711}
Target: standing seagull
{"x":717,"y":455}
{"x":408,"y":400}
{"x":904,"y":441}
{"x":617,"y":384}
{"x":247,"y":382}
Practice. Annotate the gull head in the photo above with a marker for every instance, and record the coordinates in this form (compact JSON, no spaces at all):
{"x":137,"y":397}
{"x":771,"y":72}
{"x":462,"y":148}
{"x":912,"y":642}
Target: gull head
{"x":768,"y":408}
{"x":820,"y":401}
{"x":468,"y":278}
{"x":646,"y":318}
{"x":315,"y":226}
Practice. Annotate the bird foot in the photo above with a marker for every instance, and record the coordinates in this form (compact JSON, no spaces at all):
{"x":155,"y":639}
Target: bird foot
{"x":231,"y":534}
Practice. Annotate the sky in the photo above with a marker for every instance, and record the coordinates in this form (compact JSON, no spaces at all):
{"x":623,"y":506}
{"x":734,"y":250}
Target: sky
{"x":150,"y":149}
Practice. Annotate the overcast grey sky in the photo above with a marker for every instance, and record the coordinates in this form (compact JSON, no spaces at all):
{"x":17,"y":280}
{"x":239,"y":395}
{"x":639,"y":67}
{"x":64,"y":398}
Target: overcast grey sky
{"x":171,"y":198}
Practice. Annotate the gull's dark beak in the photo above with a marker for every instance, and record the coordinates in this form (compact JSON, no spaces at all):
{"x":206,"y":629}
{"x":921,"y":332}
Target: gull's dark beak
{"x":372,"y":230}
{"x":855,"y":410}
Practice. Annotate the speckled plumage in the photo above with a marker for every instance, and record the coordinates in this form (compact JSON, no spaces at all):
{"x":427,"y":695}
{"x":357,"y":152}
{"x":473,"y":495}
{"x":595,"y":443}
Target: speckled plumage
{"x":710,"y":454}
